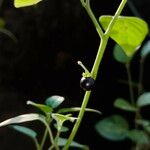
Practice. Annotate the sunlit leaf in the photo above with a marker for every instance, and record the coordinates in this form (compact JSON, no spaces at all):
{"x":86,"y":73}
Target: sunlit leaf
{"x":60,"y":119}
{"x":27,"y":131}
{"x":54,"y":101}
{"x":62,"y":142}
{"x":77,"y":109}
{"x":124,"y":105}
{"x":144,"y":99}
{"x":24,"y":3}
{"x":22,"y":118}
{"x":128,"y":32}
{"x":120,"y":55}
{"x":113,"y":128}
{"x":138,"y":136}
{"x":46,"y":109}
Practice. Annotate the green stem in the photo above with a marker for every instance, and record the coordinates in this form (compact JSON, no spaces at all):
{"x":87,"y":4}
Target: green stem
{"x":37,"y":144}
{"x":77,"y":124}
{"x":57,"y":136}
{"x":51,"y":136}
{"x":117,"y":14}
{"x":44,"y":138}
{"x":130,"y":83}
{"x":86,"y":5}
{"x":100,"y":53}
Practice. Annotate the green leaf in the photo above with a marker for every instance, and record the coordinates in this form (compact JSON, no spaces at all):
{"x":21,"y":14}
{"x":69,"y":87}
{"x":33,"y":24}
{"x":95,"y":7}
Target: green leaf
{"x":145,"y":49}
{"x":63,"y":128}
{"x":113,"y":128}
{"x":22,"y":118}
{"x":128,"y":32}
{"x":77,"y":109}
{"x":60,"y":119}
{"x":144,"y":99}
{"x":44,"y":108}
{"x":27,"y":131}
{"x":124,"y":105}
{"x":24,"y":3}
{"x":62,"y":142}
{"x":144,"y":123}
{"x":138,"y":136}
{"x":54,"y":101}
{"x":120,"y":55}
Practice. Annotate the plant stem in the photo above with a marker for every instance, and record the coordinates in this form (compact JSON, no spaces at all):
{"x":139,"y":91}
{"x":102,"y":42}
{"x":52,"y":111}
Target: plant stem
{"x":130,"y":83}
{"x":51,"y":136}
{"x":86,"y":5}
{"x":117,"y":14}
{"x":100,"y":53}
{"x":57,"y":136}
{"x":44,"y":138}
{"x":37,"y":144}
{"x":77,"y":124}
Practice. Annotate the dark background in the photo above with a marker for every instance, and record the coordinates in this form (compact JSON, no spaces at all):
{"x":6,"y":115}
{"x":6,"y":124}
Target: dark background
{"x":52,"y":37}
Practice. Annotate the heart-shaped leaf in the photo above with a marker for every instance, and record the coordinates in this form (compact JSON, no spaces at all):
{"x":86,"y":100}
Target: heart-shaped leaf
{"x":144,"y":99}
{"x":138,"y":136}
{"x":124,"y":105}
{"x":113,"y":128}
{"x":54,"y":101}
{"x":128,"y":32}
{"x":24,"y":3}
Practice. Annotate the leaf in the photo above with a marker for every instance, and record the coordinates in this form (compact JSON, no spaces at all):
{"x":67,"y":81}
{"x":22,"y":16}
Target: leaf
{"x":62,"y":142}
{"x":77,"y":109}
{"x":113,"y":128}
{"x":22,"y":118}
{"x":24,"y":3}
{"x":138,"y":136}
{"x":144,"y":123}
{"x":144,"y":99}
{"x":60,"y":119}
{"x":63,"y":128}
{"x":27,"y":131}
{"x":44,"y":108}
{"x":120,"y":55}
{"x":128,"y":32}
{"x":145,"y":49}
{"x":54,"y":101}
{"x":124,"y":105}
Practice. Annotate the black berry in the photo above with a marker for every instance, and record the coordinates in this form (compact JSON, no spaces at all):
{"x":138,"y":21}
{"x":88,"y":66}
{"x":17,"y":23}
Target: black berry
{"x":87,"y":83}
